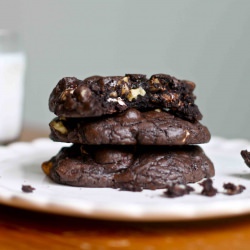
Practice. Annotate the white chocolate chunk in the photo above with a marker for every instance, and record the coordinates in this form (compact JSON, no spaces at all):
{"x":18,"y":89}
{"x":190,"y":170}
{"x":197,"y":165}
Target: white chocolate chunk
{"x":119,"y":100}
{"x":112,"y":100}
{"x":135,"y":92}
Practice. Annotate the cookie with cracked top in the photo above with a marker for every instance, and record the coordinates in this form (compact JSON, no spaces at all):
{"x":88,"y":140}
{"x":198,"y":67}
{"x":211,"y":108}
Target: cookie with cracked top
{"x":98,"y":96}
{"x":128,"y":168}
{"x":130,"y":128}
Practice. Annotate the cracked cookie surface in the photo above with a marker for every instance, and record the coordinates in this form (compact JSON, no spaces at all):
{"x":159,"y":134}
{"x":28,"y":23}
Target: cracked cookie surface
{"x":128,"y":168}
{"x":130,"y":128}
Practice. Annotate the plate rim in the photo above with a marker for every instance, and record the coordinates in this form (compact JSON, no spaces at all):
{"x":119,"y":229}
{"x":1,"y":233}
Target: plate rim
{"x":24,"y":201}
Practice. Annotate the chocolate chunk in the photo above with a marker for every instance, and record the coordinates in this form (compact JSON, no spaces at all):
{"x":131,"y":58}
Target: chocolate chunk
{"x":232,"y":189}
{"x":27,"y":188}
{"x":130,"y":128}
{"x":208,"y":189}
{"x":246,"y":156}
{"x":98,"y":96}
{"x":176,"y":190}
{"x":128,"y":168}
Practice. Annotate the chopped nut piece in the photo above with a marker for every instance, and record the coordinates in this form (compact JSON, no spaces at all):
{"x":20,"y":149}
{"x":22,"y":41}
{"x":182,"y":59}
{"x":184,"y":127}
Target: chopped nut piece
{"x":66,"y":92}
{"x":167,"y":97}
{"x":135,"y":92}
{"x":125,"y":79}
{"x":155,"y":85}
{"x":63,"y":95}
{"x":125,"y":89}
{"x":186,"y":136}
{"x":113,"y":94}
{"x":155,"y":80}
{"x":59,"y":127}
{"x":62,"y":118}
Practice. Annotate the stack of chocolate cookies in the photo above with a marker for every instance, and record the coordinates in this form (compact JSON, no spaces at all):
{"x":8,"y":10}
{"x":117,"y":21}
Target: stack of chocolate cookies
{"x":127,"y":132}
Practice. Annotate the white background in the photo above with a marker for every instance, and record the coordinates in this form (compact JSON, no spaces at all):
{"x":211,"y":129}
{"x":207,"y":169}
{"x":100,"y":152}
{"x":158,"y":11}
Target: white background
{"x":203,"y":41}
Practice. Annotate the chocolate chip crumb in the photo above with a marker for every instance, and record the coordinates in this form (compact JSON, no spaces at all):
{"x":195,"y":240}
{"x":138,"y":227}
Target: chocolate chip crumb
{"x":176,"y":190}
{"x":232,"y":189}
{"x":27,"y":188}
{"x":208,"y":189}
{"x":246,"y":156}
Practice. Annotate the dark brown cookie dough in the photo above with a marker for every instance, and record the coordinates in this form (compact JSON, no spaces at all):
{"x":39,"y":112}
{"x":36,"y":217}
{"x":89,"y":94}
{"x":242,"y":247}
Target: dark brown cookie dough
{"x":130,"y":128}
{"x":97,"y":96}
{"x":128,"y":168}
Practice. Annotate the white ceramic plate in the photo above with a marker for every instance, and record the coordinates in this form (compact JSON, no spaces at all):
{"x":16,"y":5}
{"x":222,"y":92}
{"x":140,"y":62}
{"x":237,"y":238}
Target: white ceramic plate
{"x":20,"y":164}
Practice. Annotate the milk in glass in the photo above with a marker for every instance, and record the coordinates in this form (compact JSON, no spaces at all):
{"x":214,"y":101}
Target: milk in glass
{"x":12,"y":69}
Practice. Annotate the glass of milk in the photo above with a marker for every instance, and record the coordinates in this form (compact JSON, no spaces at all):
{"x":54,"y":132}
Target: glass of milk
{"x":12,"y":71}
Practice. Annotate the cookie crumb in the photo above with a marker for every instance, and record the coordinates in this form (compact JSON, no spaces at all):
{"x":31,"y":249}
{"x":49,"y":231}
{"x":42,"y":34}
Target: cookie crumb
{"x":27,"y":188}
{"x":208,"y":189}
{"x":176,"y":190}
{"x":246,"y":156}
{"x":232,"y":189}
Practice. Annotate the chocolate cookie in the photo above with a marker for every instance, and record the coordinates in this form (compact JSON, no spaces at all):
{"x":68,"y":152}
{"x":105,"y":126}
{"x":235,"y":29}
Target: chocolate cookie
{"x":128,"y":168}
{"x":97,"y":96}
{"x":130,"y":128}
